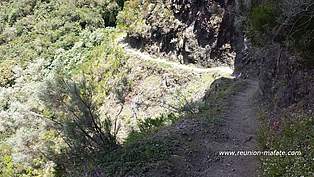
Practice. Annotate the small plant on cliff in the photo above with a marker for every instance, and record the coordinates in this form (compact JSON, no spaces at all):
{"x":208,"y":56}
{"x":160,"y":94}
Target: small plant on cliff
{"x":150,"y":124}
{"x":261,"y":21}
{"x":262,"y":17}
{"x":297,"y":21}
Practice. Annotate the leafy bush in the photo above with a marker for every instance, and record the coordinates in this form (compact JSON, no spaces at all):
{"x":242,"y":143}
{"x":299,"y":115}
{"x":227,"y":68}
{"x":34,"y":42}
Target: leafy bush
{"x":262,"y":17}
{"x":6,"y":73}
{"x":261,"y":21}
{"x":151,"y":124}
{"x":129,"y":15}
{"x":133,"y":157}
{"x":6,"y":166}
{"x":290,"y":22}
{"x":31,"y":29}
{"x":298,"y":22}
{"x":131,"y":18}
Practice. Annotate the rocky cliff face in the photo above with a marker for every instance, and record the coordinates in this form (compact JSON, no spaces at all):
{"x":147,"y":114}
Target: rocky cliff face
{"x":285,"y":80}
{"x":189,"y":31}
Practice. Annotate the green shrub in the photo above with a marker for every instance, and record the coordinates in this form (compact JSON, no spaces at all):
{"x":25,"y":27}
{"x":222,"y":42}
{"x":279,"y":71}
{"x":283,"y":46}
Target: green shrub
{"x":134,"y":156}
{"x":151,"y":124}
{"x":294,"y":22}
{"x":263,"y":17}
{"x":261,"y":21}
{"x":76,"y":115}
{"x":301,"y":34}
{"x":6,"y":166}
{"x":6,"y":73}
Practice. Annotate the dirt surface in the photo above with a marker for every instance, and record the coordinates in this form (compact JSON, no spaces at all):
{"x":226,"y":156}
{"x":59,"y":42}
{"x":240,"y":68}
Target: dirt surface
{"x":197,"y":143}
{"x":240,"y":126}
{"x":147,"y":57}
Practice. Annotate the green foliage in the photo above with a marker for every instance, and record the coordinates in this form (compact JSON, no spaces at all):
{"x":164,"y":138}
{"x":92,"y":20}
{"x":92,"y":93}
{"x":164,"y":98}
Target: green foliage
{"x":6,"y":161}
{"x":289,"y":22}
{"x":132,"y":158}
{"x":32,"y":29}
{"x":262,"y":17}
{"x":131,"y":19}
{"x":299,"y":28}
{"x":261,"y":21}
{"x":38,"y":39}
{"x":150,"y":124}
{"x":290,"y":138}
{"x":6,"y":166}
{"x":105,"y":66}
{"x":130,"y":14}
{"x":6,"y":73}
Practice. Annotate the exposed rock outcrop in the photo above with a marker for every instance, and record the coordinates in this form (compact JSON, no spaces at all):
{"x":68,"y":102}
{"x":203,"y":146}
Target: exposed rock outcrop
{"x":189,"y":31}
{"x":285,"y":80}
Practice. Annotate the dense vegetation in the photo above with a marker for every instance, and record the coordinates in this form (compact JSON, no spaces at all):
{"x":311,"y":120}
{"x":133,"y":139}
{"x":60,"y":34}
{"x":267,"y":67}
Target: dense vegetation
{"x":41,"y":40}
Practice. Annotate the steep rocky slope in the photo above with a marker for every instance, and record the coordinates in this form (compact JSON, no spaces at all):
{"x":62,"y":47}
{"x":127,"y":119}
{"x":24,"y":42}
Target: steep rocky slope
{"x":285,"y":73}
{"x":187,"y":31}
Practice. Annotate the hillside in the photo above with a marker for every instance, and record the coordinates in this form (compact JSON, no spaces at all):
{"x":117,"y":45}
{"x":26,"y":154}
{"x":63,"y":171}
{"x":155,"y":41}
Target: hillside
{"x":99,"y":88}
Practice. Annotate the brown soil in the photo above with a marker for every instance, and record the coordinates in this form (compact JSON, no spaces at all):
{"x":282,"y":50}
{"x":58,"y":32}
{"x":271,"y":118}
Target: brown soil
{"x":196,"y":143}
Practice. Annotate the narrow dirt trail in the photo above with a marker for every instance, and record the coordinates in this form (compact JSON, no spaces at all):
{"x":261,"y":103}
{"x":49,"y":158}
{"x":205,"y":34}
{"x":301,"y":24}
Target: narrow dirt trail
{"x":196,"y":153}
{"x":239,"y":129}
{"x":147,"y":57}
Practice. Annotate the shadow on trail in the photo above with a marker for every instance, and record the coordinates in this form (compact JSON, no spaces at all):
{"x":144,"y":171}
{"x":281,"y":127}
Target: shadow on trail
{"x":168,"y":145}
{"x":175,"y":146}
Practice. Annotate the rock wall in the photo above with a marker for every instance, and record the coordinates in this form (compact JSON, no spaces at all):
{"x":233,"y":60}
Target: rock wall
{"x":285,"y":80}
{"x":189,"y":31}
